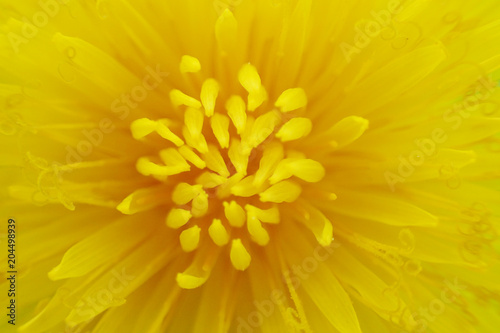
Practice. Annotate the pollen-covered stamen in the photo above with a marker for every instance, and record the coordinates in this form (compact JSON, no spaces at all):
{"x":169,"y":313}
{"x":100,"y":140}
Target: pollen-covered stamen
{"x":229,"y":171}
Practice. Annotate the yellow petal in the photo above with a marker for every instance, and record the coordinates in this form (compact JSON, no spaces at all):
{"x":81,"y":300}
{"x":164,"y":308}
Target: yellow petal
{"x":226,"y":29}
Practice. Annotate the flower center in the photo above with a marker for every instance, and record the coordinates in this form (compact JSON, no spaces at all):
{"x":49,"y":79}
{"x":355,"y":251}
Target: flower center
{"x":231,"y":166}
{"x":228,"y":166}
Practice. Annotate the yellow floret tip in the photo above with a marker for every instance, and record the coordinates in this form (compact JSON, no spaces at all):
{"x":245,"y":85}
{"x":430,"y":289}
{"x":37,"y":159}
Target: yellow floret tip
{"x":179,"y":98}
{"x":189,"y":64}
{"x":190,"y":238}
{"x":218,"y":233}
{"x":188,"y":281}
{"x":347,"y":131}
{"x":294,"y":129}
{"x":240,"y":258}
{"x":177,"y":218}
{"x":291,"y":100}
{"x":234,"y":213}
{"x":249,"y":78}
{"x":285,"y":191}
{"x":209,"y":92}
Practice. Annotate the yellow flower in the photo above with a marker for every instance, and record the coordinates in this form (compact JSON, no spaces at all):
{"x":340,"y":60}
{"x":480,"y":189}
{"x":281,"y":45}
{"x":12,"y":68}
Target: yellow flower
{"x":250,"y":166}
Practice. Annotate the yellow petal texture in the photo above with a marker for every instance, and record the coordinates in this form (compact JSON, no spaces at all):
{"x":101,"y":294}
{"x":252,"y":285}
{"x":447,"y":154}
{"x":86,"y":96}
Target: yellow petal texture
{"x":250,"y":166}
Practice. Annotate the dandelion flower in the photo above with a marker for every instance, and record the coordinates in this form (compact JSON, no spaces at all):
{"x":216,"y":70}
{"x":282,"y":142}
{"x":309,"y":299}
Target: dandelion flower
{"x":251,"y":165}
